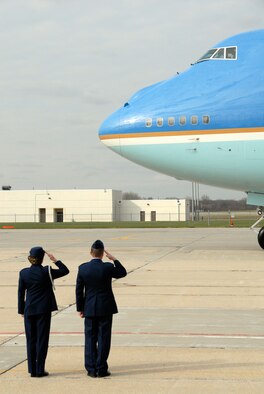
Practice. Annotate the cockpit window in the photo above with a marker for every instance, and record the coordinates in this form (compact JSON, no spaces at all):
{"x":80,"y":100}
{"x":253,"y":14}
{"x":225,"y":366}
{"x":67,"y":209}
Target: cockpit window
{"x":208,"y":54}
{"x":220,"y":54}
{"x":227,"y":53}
{"x":231,"y":53}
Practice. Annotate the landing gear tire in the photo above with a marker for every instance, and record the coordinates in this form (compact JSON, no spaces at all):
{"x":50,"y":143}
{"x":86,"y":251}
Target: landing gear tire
{"x":261,"y":237}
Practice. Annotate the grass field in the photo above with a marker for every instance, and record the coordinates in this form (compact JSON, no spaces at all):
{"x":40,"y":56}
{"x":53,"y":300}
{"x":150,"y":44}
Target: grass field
{"x":207,"y":219}
{"x":104,"y":225}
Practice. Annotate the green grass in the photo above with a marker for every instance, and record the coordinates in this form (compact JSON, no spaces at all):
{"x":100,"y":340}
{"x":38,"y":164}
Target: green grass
{"x":104,"y":225}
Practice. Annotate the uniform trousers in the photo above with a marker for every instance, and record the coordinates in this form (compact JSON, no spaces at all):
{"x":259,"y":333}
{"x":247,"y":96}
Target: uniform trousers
{"x":37,"y":333}
{"x":97,"y":343}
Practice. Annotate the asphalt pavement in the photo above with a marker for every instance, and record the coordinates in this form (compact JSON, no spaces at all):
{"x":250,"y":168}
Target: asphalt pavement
{"x":190,"y":316}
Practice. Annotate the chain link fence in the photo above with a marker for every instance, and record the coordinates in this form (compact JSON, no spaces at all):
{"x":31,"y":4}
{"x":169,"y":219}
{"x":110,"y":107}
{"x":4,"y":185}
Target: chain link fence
{"x":209,"y":217}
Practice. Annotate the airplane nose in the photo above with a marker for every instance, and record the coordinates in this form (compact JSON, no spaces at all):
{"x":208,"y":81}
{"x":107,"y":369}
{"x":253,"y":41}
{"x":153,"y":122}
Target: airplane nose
{"x":110,"y":126}
{"x":121,"y":123}
{"x":109,"y":132}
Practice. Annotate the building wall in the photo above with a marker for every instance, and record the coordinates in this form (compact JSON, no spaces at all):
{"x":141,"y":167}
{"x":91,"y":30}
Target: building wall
{"x":155,"y":210}
{"x":98,"y":205}
{"x":68,"y":205}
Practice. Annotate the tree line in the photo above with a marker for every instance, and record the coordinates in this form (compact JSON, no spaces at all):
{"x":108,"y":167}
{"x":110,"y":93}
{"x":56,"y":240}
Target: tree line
{"x":205,"y":203}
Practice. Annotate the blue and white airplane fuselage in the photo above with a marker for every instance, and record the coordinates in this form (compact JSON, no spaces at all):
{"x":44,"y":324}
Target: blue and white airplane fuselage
{"x":204,"y":125}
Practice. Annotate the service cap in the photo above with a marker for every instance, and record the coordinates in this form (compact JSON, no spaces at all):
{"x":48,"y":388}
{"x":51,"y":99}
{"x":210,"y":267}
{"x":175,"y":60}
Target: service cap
{"x":98,"y":244}
{"x":37,"y":252}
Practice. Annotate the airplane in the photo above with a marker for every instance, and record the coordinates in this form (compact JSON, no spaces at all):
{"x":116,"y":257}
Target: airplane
{"x":205,"y":125}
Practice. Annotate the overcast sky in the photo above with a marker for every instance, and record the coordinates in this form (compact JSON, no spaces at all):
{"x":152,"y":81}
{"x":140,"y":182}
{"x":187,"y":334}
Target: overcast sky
{"x":68,"y":64}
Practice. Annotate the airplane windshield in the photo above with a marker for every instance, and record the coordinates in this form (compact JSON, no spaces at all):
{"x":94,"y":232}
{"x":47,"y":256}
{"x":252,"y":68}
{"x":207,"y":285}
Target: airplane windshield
{"x":220,"y":54}
{"x":228,"y":53}
{"x":208,"y":54}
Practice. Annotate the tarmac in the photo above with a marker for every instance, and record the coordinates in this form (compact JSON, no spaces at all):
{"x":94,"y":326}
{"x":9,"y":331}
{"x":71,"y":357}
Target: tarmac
{"x":191,"y":312}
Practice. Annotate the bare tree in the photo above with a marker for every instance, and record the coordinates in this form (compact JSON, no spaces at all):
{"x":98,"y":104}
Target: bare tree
{"x":130,"y":196}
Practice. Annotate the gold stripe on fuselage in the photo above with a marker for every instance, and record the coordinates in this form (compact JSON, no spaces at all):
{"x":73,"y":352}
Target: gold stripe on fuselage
{"x":181,"y":133}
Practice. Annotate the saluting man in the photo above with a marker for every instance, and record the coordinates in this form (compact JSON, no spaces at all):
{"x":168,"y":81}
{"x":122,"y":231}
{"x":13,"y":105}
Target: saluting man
{"x":96,"y":303}
{"x":36,"y":301}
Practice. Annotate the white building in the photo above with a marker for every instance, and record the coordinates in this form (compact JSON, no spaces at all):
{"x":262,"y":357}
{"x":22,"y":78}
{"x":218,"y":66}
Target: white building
{"x":155,"y":210}
{"x":99,"y":205}
{"x":58,"y":205}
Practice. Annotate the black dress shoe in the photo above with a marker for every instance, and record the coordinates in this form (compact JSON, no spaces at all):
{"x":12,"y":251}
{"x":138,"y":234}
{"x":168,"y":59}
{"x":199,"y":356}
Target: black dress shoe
{"x":104,"y":374}
{"x":92,"y":374}
{"x":41,"y":375}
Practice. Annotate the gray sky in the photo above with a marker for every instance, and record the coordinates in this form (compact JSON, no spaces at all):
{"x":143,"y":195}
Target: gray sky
{"x":66,"y":65}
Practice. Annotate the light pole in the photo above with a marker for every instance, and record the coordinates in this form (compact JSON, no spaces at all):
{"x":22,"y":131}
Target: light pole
{"x":179,"y":210}
{"x":119,"y":211}
{"x":39,"y":194}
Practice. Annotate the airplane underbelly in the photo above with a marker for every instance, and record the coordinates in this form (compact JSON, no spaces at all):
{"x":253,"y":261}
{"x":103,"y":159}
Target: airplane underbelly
{"x":230,"y":164}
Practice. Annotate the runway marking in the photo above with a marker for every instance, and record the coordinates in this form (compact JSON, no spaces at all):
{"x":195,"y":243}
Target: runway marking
{"x":175,"y":334}
{"x":11,"y":333}
{"x":122,"y":238}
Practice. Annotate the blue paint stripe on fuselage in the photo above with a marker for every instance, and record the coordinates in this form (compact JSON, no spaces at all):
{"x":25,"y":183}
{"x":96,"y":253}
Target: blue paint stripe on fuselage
{"x":229,"y":91}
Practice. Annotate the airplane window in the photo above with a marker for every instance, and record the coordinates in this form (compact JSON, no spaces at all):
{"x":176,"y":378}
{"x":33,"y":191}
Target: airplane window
{"x":206,"y":119}
{"x":194,"y":119}
{"x":171,"y":121}
{"x":231,"y":53}
{"x":148,"y":122}
{"x":159,"y":122}
{"x":208,"y":54}
{"x":220,"y":54}
{"x":182,"y":120}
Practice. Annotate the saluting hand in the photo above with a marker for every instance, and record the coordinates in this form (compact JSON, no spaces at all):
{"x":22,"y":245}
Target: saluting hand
{"x":109,"y":255}
{"x":52,"y":258}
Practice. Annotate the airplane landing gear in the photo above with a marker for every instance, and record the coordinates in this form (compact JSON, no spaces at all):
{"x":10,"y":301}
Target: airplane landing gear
{"x":260,"y":233}
{"x":260,"y":211}
{"x":261,"y":237}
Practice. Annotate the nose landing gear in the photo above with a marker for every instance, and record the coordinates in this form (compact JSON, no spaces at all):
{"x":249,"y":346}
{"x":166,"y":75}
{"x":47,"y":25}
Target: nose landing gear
{"x":260,"y":232}
{"x":261,"y":237}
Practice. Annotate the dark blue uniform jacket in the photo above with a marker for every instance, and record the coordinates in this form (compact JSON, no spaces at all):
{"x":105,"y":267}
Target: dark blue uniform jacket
{"x":94,"y":295}
{"x":35,"y":293}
